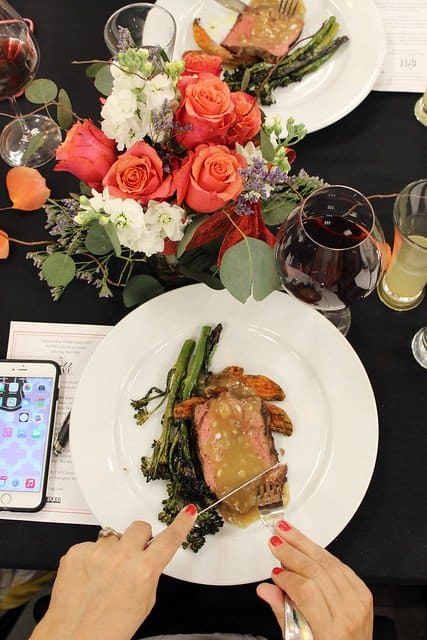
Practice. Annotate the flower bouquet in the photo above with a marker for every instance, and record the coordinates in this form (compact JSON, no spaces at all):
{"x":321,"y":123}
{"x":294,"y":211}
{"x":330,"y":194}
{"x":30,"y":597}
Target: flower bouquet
{"x":184,"y":180}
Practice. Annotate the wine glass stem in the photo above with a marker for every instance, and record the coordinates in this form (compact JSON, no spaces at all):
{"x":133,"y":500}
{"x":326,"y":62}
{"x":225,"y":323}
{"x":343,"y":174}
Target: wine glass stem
{"x":20,"y":117}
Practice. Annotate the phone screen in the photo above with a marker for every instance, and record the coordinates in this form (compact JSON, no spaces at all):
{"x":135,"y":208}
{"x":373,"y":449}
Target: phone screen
{"x":25,"y":408}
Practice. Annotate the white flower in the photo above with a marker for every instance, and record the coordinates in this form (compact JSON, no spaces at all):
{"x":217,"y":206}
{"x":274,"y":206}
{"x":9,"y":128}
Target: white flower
{"x":167,"y":220}
{"x":158,"y":90}
{"x":122,"y":119}
{"x":128,"y":218}
{"x":250,"y":152}
{"x":126,"y":80}
{"x":151,"y":243}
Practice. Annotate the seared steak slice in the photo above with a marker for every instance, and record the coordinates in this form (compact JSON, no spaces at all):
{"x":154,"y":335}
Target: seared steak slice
{"x":263,"y":32}
{"x":234,"y":444}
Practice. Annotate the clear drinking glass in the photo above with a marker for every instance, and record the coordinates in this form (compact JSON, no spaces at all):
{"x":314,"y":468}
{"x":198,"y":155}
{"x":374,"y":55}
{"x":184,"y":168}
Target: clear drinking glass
{"x":402,"y":287}
{"x":420,"y":109}
{"x":419,"y":347}
{"x":330,"y":252}
{"x":19,"y":61}
{"x":149,"y":26}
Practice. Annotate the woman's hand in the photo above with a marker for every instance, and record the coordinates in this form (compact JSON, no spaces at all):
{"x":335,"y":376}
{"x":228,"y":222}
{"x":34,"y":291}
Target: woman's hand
{"x":106,"y":589}
{"x":335,"y":602}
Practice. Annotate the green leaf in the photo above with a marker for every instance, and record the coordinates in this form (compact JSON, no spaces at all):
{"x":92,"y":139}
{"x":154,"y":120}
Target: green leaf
{"x":41,"y":91}
{"x":248,"y":268}
{"x":34,"y":144}
{"x":201,"y":276}
{"x":98,"y":241}
{"x":58,"y":269}
{"x":295,"y":133}
{"x":246,"y":79}
{"x":275,"y":211}
{"x":104,"y":80}
{"x":189,"y":232}
{"x":93,"y":69}
{"x":85,"y":190}
{"x":267,"y":148}
{"x":115,"y":242}
{"x":141,"y":288}
{"x":64,"y":112}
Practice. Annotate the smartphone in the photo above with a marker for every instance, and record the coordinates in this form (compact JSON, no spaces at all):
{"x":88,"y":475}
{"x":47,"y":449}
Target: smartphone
{"x":28,"y":400}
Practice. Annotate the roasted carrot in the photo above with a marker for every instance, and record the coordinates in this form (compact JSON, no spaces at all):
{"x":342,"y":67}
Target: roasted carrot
{"x":280,"y":421}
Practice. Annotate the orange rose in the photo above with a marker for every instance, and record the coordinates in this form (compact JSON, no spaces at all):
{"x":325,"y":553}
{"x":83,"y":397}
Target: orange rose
{"x":206,"y":108}
{"x":4,"y":245}
{"x":138,"y":174}
{"x":197,"y":62}
{"x":87,"y":153}
{"x":26,"y":188}
{"x":209,"y":178}
{"x":248,"y":118}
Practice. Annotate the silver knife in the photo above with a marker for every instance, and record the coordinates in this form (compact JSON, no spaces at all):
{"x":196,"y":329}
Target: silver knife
{"x":242,"y":486}
{"x":234,"y":5}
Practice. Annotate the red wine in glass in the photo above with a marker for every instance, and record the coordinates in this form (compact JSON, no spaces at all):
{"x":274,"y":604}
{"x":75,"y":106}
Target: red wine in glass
{"x":18,"y":64}
{"x":329,"y":252}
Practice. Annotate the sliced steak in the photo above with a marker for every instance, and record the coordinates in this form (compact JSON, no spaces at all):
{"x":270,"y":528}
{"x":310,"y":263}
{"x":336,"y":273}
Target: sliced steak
{"x":234,"y":444}
{"x":263,"y":32}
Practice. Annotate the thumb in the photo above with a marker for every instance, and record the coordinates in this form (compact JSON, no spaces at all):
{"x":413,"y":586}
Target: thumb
{"x":275,"y":597}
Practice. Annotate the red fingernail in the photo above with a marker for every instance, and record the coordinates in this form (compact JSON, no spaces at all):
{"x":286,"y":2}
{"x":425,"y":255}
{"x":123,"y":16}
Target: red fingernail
{"x":284,"y":526}
{"x":276,"y":541}
{"x":277,"y":571}
{"x":191,"y":509}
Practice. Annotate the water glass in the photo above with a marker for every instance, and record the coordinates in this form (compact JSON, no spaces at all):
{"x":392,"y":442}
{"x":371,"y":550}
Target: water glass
{"x":419,"y":347}
{"x":402,"y":287}
{"x":149,"y":26}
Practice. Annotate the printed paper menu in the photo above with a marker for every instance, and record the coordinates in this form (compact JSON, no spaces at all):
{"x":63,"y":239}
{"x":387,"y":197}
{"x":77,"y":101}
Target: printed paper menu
{"x":405,"y":63}
{"x":70,"y":346}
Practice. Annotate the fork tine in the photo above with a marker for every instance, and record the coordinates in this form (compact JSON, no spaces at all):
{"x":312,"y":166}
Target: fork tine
{"x":288,"y":7}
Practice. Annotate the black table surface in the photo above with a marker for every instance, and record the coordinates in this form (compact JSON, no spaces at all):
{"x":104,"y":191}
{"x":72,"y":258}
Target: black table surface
{"x":378,"y":148}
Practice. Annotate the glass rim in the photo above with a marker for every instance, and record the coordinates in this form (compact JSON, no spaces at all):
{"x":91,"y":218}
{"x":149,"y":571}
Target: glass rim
{"x":345,"y":187}
{"x":147,"y":5}
{"x":407,"y":193}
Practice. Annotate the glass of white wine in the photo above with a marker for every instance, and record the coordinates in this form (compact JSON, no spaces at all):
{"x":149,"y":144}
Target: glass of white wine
{"x":402,"y":287}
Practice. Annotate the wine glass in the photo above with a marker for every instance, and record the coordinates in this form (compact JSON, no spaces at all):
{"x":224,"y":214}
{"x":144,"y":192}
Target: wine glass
{"x":19,"y":61}
{"x":141,"y":25}
{"x":330,"y":252}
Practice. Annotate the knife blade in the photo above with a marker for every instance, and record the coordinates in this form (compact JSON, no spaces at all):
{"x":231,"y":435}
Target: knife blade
{"x":239,"y":488}
{"x":234,"y":5}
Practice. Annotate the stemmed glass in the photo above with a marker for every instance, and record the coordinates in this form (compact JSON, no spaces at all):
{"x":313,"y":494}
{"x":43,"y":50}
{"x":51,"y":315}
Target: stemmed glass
{"x":330,"y":252}
{"x":19,"y":61}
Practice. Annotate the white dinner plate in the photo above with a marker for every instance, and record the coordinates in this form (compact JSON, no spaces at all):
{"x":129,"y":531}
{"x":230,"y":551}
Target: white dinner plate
{"x":337,"y":87}
{"x":331,"y":454}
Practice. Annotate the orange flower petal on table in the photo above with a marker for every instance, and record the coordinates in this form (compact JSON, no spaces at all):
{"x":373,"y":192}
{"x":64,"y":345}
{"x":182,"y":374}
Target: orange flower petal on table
{"x":4,"y":245}
{"x":27,"y":188}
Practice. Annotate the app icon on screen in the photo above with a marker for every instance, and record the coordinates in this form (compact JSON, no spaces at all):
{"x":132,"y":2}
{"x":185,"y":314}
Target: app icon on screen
{"x":40,"y":403}
{"x":41,"y":387}
{"x":36,"y":433}
{"x":23,"y":417}
{"x":7,"y":432}
{"x":38,"y":417}
{"x":28,"y":387}
{"x":11,"y":402}
{"x":13,"y":387}
{"x":21,"y":433}
{"x":1,"y":387}
{"x":3,"y":481}
{"x":25,"y":403}
{"x":30,"y":483}
{"x":15,"y":482}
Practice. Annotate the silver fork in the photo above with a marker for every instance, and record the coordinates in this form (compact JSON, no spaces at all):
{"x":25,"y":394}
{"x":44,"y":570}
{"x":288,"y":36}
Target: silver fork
{"x":288,"y":8}
{"x":271,"y":510}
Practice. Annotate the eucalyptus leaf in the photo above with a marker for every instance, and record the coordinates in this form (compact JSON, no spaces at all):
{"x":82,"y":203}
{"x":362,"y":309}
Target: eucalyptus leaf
{"x":267,"y":148}
{"x":248,"y":267}
{"x":201,"y":276}
{"x":277,"y":211}
{"x":34,"y":144}
{"x":115,"y":242}
{"x":85,"y":190}
{"x":98,"y":241}
{"x":41,"y":91}
{"x":93,"y":68}
{"x":104,"y":80}
{"x":189,"y":232}
{"x":58,"y":269}
{"x":64,"y":112}
{"x":140,"y":289}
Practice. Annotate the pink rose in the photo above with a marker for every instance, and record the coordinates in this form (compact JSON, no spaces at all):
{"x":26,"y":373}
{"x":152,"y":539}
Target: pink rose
{"x":206,"y":108}
{"x":209,"y":178}
{"x":138,"y":174}
{"x":87,"y":153}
